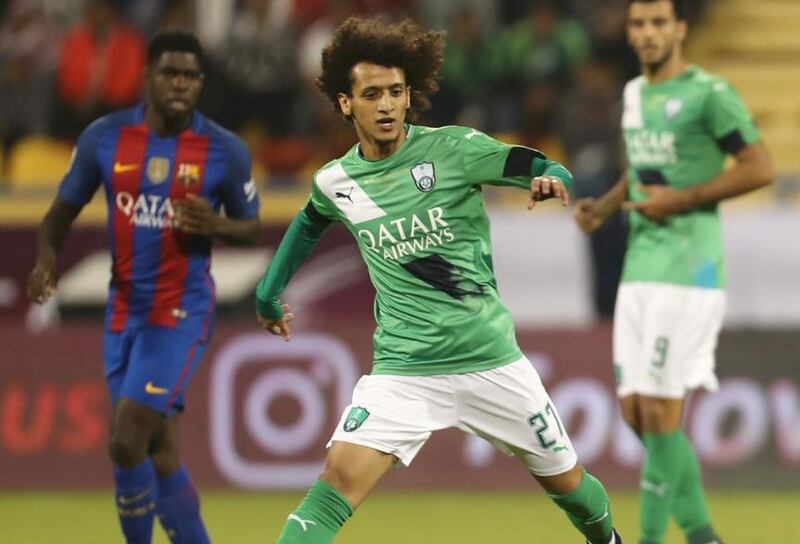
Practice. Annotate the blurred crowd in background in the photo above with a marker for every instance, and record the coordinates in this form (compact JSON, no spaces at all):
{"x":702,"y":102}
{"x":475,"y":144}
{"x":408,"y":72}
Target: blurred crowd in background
{"x":545,"y":73}
{"x":542,"y":73}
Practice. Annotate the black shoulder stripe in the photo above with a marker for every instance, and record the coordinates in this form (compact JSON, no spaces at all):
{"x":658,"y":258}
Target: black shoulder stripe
{"x":315,"y":216}
{"x":651,"y":177}
{"x":732,"y":143}
{"x":519,"y":160}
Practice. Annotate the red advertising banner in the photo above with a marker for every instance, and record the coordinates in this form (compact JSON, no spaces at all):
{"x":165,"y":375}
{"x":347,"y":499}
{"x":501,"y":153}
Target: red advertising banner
{"x":260,"y":411}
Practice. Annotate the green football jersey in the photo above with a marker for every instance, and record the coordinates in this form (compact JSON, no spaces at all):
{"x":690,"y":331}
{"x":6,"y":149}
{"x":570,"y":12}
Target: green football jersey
{"x":421,"y":227}
{"x":678,"y":133}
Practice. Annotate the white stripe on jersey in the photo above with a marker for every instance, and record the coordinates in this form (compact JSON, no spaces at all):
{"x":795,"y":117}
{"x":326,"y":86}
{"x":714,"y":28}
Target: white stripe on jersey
{"x":632,"y":115}
{"x":346,"y":194}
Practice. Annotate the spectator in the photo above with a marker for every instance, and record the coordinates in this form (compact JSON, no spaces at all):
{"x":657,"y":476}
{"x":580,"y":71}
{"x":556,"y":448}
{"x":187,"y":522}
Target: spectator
{"x":99,"y":68}
{"x":27,"y":50}
{"x":587,"y":122}
{"x":259,"y":63}
{"x":466,"y":74}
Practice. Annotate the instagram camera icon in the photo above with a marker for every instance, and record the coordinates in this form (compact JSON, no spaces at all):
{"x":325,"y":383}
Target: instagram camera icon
{"x":255,"y":380}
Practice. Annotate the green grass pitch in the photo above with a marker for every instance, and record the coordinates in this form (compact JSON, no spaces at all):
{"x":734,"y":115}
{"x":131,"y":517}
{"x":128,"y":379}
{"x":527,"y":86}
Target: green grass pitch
{"x":389,"y":518}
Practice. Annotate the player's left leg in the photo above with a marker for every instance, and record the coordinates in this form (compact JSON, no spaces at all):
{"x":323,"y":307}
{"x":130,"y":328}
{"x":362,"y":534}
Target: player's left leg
{"x":509,"y":407}
{"x":178,"y":504}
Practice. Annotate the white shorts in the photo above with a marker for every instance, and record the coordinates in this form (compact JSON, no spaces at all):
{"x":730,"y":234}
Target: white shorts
{"x":665,"y":337}
{"x":508,"y":406}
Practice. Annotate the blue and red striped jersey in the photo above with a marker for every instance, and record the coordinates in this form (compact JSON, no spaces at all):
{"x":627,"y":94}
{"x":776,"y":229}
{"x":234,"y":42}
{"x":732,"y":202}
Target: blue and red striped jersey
{"x":160,"y":275}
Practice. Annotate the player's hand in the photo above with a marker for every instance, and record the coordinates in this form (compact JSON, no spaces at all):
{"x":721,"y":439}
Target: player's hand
{"x":42,"y":282}
{"x":661,"y":202}
{"x":278,"y":327}
{"x":587,"y":215}
{"x":546,"y":187}
{"x":196,"y":216}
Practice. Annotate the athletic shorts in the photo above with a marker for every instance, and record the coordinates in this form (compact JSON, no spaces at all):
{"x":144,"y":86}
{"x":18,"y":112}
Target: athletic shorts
{"x":152,"y":365}
{"x":665,"y":337}
{"x":508,"y":406}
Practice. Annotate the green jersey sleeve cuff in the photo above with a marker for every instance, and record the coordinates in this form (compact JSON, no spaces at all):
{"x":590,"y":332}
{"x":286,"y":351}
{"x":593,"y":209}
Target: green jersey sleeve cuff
{"x":558,"y":171}
{"x":269,"y":310}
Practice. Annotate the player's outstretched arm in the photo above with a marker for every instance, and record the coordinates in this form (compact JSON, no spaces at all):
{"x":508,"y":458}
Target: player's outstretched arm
{"x":298,"y":242}
{"x":591,"y":213}
{"x":53,"y":232}
{"x":753,"y":169}
{"x":194,"y":215}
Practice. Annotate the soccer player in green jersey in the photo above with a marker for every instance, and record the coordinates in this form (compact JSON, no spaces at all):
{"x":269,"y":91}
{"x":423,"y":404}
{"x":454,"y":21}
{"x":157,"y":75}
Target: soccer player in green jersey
{"x":679,"y":122}
{"x":445,"y":351}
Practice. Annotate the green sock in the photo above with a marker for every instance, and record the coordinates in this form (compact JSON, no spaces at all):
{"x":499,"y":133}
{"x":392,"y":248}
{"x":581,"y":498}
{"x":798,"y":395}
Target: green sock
{"x":690,"y":508}
{"x":588,"y":509}
{"x":317,"y":518}
{"x":661,"y":472}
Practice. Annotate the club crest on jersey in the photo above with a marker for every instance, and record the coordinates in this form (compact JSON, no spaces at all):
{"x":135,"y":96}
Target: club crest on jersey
{"x":157,"y":169}
{"x":188,"y":173}
{"x":424,"y":176}
{"x":355,"y":418}
{"x":672,"y":108}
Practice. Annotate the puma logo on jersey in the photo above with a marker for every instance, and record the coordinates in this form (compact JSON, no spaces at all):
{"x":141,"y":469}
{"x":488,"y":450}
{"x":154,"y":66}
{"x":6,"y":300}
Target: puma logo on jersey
{"x":303,"y":522}
{"x":346,"y":195}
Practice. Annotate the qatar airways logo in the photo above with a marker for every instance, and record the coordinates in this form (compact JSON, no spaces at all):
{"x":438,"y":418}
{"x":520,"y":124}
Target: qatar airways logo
{"x":650,"y":147}
{"x":408,"y":235}
{"x":149,"y":211}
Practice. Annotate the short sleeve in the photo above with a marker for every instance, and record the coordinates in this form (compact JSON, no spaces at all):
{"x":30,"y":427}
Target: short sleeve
{"x":729,"y":120}
{"x":239,"y":193}
{"x":83,"y":175}
{"x":320,"y":207}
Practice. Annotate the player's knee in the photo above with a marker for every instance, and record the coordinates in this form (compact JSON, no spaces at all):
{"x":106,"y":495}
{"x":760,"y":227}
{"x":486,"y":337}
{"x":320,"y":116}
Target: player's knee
{"x":125,"y":451}
{"x":653,"y":417}
{"x":341,"y":476}
{"x":165,"y":462}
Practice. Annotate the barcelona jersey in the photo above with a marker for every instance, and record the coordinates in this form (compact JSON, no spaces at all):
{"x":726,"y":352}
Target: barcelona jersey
{"x":160,"y":275}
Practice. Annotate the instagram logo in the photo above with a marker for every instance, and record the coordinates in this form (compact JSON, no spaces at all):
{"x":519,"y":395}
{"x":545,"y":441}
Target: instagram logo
{"x":273,"y":405}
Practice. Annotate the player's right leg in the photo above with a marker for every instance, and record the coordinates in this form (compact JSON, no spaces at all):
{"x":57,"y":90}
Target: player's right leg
{"x":132,"y":426}
{"x":389,"y":420}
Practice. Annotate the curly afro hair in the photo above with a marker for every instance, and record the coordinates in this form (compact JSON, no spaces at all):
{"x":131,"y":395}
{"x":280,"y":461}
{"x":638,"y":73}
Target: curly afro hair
{"x":403,"y":45}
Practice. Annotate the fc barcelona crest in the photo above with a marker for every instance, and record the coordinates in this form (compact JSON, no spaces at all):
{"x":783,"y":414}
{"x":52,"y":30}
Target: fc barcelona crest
{"x":424,"y":175}
{"x":157,"y":169}
{"x":188,"y":173}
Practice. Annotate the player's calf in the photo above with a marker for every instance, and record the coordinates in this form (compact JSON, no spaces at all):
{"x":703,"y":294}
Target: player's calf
{"x":587,"y":507}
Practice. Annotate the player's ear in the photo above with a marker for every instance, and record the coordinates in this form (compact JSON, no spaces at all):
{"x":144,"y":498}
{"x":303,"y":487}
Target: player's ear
{"x":408,"y":97}
{"x":344,"y":103}
{"x":683,"y":30}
